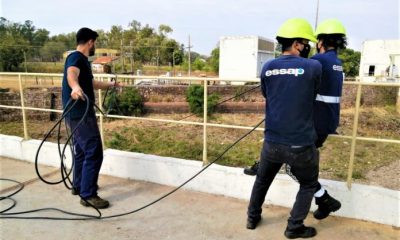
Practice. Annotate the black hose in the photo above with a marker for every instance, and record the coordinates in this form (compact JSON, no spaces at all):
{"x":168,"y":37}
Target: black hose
{"x":65,"y":175}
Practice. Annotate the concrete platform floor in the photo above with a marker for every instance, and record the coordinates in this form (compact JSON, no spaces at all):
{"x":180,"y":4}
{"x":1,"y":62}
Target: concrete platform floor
{"x":181,"y":216}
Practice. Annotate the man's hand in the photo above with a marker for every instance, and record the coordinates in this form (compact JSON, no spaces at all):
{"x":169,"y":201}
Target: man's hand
{"x":77,"y":93}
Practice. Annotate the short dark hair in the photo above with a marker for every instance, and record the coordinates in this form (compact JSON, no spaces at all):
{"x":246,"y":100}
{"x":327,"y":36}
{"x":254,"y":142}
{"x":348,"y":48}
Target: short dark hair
{"x":84,"y":35}
{"x":286,"y":43}
{"x":337,"y":41}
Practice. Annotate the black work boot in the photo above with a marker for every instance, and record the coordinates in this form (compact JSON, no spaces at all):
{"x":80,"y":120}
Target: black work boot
{"x":252,"y":223}
{"x":75,"y":191}
{"x":326,"y":205}
{"x":252,"y":171}
{"x":300,"y":232}
{"x":96,"y":202}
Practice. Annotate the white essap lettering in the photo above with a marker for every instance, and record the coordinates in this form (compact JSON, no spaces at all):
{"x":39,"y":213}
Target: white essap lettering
{"x":337,"y":68}
{"x":283,"y":71}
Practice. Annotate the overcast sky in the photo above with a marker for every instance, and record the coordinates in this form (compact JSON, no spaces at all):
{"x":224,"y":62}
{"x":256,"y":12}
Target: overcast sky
{"x":207,"y":20}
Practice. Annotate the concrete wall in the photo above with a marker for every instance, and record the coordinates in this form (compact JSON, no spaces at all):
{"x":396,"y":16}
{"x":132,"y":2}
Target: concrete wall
{"x":370,"y":203}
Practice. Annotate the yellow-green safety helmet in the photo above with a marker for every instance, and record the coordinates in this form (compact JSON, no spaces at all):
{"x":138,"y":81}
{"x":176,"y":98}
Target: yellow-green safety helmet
{"x":296,"y":28}
{"x":330,"y":26}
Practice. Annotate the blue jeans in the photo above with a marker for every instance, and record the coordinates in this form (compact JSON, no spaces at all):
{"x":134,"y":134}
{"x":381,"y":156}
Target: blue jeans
{"x":304,"y":165}
{"x":88,"y":155}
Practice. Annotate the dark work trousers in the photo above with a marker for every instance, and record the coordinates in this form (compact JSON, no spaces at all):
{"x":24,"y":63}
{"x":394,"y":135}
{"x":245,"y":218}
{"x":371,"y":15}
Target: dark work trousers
{"x":88,"y":155}
{"x":318,"y":143}
{"x":304,"y":166}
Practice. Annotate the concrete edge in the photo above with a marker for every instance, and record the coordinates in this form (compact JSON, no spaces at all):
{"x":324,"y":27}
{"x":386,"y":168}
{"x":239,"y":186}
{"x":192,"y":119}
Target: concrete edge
{"x":364,"y":202}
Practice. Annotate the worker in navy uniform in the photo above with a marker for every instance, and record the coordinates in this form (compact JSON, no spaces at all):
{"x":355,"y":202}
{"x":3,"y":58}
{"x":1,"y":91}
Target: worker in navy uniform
{"x":331,"y":36}
{"x":290,"y":84}
{"x":88,"y":151}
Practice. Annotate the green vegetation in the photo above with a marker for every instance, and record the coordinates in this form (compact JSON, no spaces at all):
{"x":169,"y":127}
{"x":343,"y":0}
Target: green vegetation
{"x":129,"y":102}
{"x":140,"y":45}
{"x":195,"y":98}
{"x":186,"y":142}
{"x":351,"y":62}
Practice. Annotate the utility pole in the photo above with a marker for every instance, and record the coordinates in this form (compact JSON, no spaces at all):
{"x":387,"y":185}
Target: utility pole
{"x":122,"y":58}
{"x":26,"y":69}
{"x":132,"y":60}
{"x":316,"y":16}
{"x":190,"y":68}
{"x":158,"y":61}
{"x":173,"y":63}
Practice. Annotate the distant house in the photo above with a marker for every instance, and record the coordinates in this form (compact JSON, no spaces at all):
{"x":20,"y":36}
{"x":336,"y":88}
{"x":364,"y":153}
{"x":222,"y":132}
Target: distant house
{"x":103,"y":64}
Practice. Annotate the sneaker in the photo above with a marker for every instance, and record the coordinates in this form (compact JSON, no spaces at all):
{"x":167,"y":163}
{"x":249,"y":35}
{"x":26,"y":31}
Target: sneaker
{"x":96,"y":202}
{"x":301,"y":232}
{"x":326,"y":205}
{"x":252,"y":171}
{"x":252,"y":223}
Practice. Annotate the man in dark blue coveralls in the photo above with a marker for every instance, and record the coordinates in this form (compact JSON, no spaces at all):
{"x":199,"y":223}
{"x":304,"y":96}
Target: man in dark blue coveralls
{"x":88,"y":150}
{"x":289,"y":84}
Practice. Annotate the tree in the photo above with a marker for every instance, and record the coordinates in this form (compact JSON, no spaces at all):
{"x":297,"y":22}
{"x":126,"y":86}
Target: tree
{"x":13,"y":45}
{"x":199,"y":64}
{"x":163,"y":30}
{"x":40,"y":37}
{"x":52,"y":51}
{"x":351,"y":62}
{"x":68,"y":39}
{"x":213,"y":60}
{"x":12,"y":51}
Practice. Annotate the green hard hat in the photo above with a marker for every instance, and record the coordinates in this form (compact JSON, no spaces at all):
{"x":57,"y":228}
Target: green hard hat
{"x":296,"y":28}
{"x":330,"y":26}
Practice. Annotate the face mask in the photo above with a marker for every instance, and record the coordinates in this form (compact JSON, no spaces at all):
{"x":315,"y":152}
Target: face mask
{"x":306,"y":50}
{"x":92,"y":50}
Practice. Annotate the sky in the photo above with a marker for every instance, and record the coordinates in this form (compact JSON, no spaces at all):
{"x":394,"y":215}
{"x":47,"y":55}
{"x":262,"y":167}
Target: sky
{"x":208,"y":20}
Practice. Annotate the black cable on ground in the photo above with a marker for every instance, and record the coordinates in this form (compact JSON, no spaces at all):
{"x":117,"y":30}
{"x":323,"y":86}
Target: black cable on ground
{"x":89,"y":217}
{"x":65,"y":174}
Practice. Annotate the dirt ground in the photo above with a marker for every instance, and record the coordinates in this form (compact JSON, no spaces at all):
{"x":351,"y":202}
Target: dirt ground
{"x":386,"y":176}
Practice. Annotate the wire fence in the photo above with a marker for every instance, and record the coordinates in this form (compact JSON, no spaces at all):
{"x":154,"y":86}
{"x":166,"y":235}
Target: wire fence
{"x":44,"y":79}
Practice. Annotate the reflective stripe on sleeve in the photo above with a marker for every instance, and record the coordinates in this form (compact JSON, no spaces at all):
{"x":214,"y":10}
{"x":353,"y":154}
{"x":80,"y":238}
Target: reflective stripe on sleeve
{"x":327,"y":99}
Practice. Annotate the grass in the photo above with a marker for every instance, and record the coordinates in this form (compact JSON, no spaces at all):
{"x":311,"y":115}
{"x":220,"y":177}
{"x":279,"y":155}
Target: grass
{"x":184,"y":141}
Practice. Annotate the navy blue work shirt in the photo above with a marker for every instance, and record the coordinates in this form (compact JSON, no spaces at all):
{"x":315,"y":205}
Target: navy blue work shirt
{"x":289,"y":84}
{"x":85,"y":78}
{"x":327,"y":104}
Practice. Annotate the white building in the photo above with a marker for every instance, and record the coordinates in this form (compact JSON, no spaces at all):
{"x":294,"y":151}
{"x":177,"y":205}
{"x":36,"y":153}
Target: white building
{"x":380,"y":60}
{"x":242,"y":57}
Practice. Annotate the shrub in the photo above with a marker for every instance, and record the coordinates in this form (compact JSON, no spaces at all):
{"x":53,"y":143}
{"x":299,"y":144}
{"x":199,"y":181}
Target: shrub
{"x":195,"y":98}
{"x":127,"y":103}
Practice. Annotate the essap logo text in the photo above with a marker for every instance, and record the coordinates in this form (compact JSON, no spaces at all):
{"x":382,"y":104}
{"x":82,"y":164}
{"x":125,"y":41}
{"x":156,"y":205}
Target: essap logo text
{"x":283,"y":71}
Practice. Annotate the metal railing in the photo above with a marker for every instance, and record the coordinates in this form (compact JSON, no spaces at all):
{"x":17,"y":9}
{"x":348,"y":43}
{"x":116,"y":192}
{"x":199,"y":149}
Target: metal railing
{"x":131,"y":79}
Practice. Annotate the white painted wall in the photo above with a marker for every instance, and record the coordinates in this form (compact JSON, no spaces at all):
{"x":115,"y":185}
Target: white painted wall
{"x":377,"y":53}
{"x":364,"y":202}
{"x":240,"y":57}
